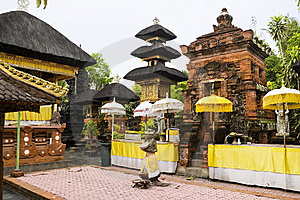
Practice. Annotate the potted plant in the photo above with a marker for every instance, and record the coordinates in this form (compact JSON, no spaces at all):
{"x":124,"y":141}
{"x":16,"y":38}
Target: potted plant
{"x":90,"y":131}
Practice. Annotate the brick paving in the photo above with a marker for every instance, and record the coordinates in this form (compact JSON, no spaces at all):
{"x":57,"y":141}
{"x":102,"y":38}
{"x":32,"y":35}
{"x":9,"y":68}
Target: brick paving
{"x":93,"y":182}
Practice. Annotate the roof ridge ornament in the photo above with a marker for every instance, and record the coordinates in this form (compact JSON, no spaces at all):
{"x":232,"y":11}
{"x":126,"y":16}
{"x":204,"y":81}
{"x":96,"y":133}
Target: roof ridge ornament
{"x":23,"y":5}
{"x":117,"y":79}
{"x":156,"y":20}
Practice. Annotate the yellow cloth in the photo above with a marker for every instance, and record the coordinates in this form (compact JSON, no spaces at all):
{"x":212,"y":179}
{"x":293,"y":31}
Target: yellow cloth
{"x":150,"y":163}
{"x":165,"y":152}
{"x":269,"y":159}
{"x":45,"y":114}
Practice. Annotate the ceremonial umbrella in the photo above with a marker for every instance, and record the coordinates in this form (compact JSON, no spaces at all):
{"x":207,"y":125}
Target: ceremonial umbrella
{"x":167,"y":105}
{"x":113,"y":108}
{"x":213,"y":104}
{"x":281,"y":99}
{"x":145,"y":110}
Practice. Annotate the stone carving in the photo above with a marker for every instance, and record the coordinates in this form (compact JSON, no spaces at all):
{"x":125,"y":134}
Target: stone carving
{"x":55,"y":121}
{"x":281,"y":127}
{"x":160,"y":124}
{"x":238,"y":118}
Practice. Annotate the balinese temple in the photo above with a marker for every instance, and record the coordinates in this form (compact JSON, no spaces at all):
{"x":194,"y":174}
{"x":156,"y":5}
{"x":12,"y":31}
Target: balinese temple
{"x":229,"y":62}
{"x":34,"y":57}
{"x":155,"y":79}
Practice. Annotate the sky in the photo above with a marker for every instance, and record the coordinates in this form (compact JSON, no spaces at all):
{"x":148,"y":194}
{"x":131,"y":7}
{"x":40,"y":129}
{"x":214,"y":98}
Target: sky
{"x":109,"y":26}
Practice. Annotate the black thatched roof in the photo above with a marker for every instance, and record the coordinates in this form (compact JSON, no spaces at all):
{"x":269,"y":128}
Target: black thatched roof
{"x":158,"y":70}
{"x":18,"y":96}
{"x":156,"y":49}
{"x":117,"y":90}
{"x":296,"y":66}
{"x":87,"y":98}
{"x":25,"y":35}
{"x":155,"y":30}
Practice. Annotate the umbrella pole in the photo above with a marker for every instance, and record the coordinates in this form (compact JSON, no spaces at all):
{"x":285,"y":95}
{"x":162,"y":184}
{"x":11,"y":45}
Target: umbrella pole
{"x":146,"y":124}
{"x":112,"y":127}
{"x":284,"y":143}
{"x":168,"y":122}
{"x":213,"y":119}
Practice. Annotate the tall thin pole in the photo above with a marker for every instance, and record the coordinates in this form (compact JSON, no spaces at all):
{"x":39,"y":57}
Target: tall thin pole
{"x":2,"y":116}
{"x":284,"y":143}
{"x":18,"y":141}
{"x":112,"y":128}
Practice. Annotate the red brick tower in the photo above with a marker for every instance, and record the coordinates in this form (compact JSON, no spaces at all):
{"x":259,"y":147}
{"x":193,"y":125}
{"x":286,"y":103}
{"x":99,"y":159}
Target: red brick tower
{"x":232,"y":60}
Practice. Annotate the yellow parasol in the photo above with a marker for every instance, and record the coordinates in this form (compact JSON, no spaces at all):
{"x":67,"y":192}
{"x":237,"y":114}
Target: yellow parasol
{"x":214,"y":104}
{"x":281,"y":99}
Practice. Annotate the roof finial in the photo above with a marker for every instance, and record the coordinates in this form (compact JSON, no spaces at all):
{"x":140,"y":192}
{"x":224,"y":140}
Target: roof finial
{"x":117,"y":79}
{"x":23,"y":5}
{"x":156,"y":20}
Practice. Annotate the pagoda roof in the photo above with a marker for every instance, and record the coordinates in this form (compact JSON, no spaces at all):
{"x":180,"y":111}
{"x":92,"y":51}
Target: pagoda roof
{"x":157,"y":49}
{"x":87,"y":98}
{"x":117,"y":90}
{"x":16,"y":95}
{"x":156,"y":30}
{"x":158,"y":70}
{"x":25,"y":35}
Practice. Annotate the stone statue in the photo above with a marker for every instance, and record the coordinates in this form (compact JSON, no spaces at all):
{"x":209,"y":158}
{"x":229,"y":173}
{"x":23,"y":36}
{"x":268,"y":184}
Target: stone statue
{"x":280,"y":123}
{"x":150,"y":169}
{"x":161,"y":126}
{"x":55,"y":120}
{"x":238,"y":118}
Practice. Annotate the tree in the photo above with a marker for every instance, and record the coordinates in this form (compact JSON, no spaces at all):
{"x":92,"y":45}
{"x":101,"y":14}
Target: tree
{"x":39,"y":2}
{"x":99,"y":73}
{"x":176,"y":89}
{"x":276,"y":28}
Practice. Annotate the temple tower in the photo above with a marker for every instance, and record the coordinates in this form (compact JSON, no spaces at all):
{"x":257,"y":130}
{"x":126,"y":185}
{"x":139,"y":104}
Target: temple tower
{"x":232,"y":61}
{"x":155,"y":79}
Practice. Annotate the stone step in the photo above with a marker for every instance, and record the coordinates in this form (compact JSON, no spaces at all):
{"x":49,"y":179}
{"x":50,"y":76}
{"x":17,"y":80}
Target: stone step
{"x":196,"y":162}
{"x":196,"y":172}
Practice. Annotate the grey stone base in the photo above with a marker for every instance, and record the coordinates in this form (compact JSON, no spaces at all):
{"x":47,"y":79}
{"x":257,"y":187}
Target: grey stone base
{"x":37,"y":167}
{"x":192,"y":171}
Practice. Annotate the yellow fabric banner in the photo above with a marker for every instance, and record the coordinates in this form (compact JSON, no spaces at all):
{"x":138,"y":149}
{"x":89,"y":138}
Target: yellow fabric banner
{"x":269,"y":159}
{"x":165,"y":152}
{"x":45,"y":114}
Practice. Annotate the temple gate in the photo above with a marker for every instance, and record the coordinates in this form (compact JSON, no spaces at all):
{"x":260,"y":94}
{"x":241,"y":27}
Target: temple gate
{"x":230,"y":61}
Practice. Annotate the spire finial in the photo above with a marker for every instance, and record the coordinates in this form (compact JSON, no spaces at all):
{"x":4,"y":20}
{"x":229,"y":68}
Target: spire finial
{"x":23,"y":5}
{"x":117,"y":79}
{"x":156,"y":20}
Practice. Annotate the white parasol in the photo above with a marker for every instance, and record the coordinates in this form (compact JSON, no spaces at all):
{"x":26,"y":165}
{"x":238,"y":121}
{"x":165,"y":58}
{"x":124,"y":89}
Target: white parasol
{"x":167,"y":105}
{"x":145,"y":110}
{"x":113,"y":108}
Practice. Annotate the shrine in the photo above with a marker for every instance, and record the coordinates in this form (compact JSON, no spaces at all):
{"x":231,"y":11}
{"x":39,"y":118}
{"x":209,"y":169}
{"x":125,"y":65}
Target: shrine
{"x":34,"y":57}
{"x":155,"y":79}
{"x":229,"y":62}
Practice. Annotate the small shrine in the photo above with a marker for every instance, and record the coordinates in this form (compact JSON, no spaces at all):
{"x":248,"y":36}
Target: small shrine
{"x":155,"y":79}
{"x":228,"y":62}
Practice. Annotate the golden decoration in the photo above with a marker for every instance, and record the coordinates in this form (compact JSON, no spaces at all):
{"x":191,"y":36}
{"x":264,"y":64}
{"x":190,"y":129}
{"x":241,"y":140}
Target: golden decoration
{"x":34,"y":81}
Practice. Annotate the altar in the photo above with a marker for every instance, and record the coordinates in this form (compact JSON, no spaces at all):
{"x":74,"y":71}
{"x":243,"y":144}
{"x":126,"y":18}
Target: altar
{"x":256,"y":164}
{"x":127,"y":153}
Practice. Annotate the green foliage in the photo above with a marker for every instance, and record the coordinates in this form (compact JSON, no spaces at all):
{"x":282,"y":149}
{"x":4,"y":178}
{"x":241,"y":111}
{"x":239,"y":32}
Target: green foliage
{"x":64,"y":84}
{"x":39,"y":2}
{"x":150,"y":125}
{"x":274,"y":71}
{"x":176,"y":89}
{"x":137,"y":89}
{"x":90,"y":129}
{"x":99,"y":73}
{"x":118,"y":135}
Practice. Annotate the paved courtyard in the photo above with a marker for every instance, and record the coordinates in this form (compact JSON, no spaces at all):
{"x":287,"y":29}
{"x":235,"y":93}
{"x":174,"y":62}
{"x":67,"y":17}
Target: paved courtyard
{"x":92,"y":182}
